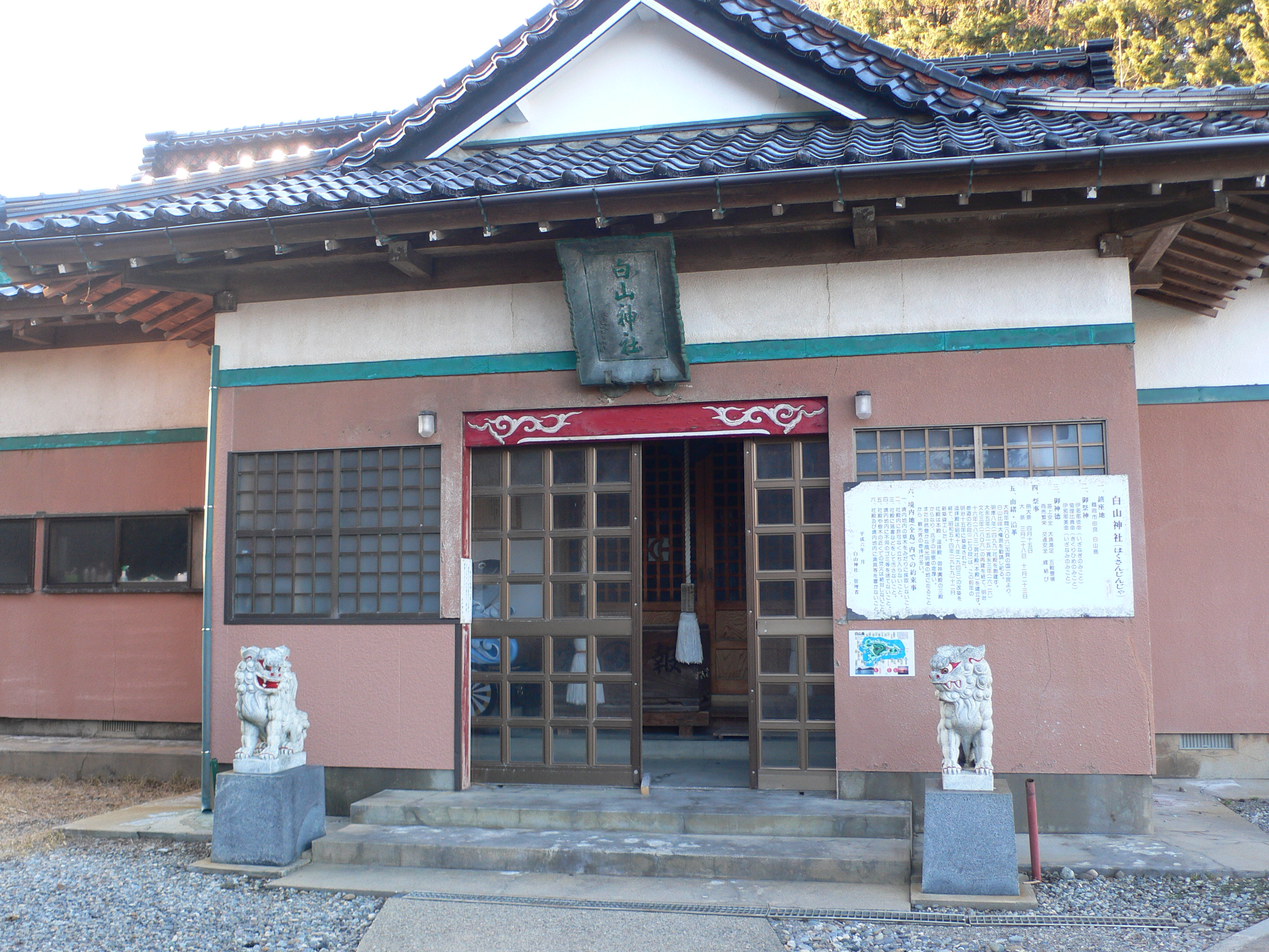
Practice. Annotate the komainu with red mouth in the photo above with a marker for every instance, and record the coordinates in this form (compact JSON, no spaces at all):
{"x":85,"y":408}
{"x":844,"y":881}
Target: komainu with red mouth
{"x":272,"y":726}
{"x":962,"y":681}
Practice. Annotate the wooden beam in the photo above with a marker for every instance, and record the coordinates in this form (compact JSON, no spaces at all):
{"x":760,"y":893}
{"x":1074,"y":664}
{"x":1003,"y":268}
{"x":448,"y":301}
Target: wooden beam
{"x":198,"y":323}
{"x":1150,"y":219}
{"x":1201,"y":283}
{"x":1151,"y":278}
{"x":1165,"y":298}
{"x":145,"y":303}
{"x":1198,"y":297}
{"x":408,"y":261}
{"x":167,"y":317}
{"x":1188,"y":266}
{"x":1158,"y":245}
{"x":35,"y":336}
{"x":863,"y":227}
{"x":1201,"y":237}
{"x":1229,"y":228}
{"x":1237,"y":269}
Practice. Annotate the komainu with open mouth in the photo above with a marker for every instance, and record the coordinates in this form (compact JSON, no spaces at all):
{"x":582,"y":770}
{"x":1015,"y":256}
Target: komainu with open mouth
{"x":962,"y":681}
{"x":271,"y":724}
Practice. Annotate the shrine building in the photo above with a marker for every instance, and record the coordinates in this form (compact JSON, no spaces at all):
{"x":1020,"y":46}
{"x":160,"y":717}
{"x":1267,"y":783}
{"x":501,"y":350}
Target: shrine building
{"x":844,"y":353}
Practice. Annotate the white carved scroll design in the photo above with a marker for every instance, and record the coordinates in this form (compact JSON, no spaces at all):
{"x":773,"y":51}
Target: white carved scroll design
{"x":504,"y":426}
{"x":783,"y":415}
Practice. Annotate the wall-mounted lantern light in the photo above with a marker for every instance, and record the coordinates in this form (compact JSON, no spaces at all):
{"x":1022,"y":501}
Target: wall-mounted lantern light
{"x":863,"y":404}
{"x":427,"y":424}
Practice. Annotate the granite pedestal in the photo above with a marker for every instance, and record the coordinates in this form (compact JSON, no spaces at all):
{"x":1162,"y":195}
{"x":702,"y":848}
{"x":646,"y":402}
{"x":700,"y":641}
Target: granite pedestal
{"x":970,"y":849}
{"x":268,"y":819}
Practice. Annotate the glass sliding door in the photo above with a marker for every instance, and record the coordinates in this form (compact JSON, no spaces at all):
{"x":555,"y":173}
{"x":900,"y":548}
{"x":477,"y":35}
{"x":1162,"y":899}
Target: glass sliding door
{"x":555,"y":624}
{"x":794,"y":745}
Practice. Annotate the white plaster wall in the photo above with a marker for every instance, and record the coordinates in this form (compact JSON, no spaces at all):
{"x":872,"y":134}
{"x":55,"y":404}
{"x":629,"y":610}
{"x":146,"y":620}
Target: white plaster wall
{"x":155,"y":386}
{"x":883,"y":297}
{"x":646,"y":72}
{"x":1178,"y":349}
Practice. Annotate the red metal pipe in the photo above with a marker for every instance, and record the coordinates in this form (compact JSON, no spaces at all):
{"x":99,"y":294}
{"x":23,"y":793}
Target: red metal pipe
{"x":1033,"y":827}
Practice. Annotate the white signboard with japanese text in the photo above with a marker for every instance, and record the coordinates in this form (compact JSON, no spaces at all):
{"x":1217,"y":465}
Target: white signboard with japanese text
{"x":1048,"y":547}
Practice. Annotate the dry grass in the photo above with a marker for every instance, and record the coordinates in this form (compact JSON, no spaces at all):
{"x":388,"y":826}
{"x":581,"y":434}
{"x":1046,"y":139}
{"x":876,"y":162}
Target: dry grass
{"x":32,"y":810}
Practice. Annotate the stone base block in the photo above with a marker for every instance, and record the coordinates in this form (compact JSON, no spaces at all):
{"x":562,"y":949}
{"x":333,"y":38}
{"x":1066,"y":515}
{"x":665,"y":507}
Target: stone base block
{"x":1023,"y":901}
{"x":268,"y":819}
{"x":277,"y":764}
{"x":965,"y":780}
{"x":970,"y":849}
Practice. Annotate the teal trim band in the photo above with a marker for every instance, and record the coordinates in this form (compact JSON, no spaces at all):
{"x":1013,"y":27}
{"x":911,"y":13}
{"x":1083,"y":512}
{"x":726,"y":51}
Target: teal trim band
{"x":386,"y":369}
{"x":60,"y":441}
{"x":1003,"y":338}
{"x":1238,"y":394}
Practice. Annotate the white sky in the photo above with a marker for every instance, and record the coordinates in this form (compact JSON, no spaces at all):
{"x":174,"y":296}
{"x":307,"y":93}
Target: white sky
{"x":87,"y":79}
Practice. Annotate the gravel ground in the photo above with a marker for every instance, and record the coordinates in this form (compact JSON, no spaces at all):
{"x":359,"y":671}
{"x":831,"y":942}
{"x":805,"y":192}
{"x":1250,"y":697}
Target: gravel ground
{"x":139,"y":896}
{"x":1206,"y":909}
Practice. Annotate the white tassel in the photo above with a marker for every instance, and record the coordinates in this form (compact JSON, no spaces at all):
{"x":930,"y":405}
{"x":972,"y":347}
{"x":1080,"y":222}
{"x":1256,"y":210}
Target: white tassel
{"x":687,"y":650}
{"x":575,"y":693}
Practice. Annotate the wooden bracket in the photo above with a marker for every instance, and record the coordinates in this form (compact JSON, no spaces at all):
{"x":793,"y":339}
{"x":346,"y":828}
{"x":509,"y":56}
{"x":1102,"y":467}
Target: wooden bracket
{"x":863,"y":227}
{"x":408,"y":261}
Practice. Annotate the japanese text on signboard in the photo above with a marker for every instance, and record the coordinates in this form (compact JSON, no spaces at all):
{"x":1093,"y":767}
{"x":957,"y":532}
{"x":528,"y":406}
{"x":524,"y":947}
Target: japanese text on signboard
{"x":1002,"y":548}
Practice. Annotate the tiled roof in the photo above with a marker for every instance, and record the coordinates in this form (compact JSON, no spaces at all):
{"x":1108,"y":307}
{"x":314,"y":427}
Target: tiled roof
{"x":1072,"y":67}
{"x":1184,"y":99}
{"x":195,"y":150}
{"x":645,"y":157}
{"x":839,"y":53}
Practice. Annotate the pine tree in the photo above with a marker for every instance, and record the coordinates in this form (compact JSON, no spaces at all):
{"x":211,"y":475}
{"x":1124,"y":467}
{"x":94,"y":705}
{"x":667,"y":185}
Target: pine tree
{"x":1158,"y":42}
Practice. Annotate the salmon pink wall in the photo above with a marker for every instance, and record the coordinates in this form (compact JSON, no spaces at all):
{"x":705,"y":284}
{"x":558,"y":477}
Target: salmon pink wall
{"x":1207,"y":505}
{"x":131,"y":657}
{"x":1072,"y":695}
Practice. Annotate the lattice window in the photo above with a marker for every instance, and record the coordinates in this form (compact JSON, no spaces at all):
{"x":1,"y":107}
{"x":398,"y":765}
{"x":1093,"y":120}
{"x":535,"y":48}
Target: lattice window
{"x":969,"y":452}
{"x":337,"y":533}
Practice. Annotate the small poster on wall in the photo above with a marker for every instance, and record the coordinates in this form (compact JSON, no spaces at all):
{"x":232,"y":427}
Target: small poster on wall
{"x":881,"y":652}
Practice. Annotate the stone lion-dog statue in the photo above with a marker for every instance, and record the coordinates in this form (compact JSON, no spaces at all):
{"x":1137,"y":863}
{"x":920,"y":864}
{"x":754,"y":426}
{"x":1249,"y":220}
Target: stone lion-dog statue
{"x":962,"y":682}
{"x":273,"y":728}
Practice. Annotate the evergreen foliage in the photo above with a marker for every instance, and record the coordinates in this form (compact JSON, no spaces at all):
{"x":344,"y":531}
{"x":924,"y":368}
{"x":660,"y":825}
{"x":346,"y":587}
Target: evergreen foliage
{"x":1157,"y":42}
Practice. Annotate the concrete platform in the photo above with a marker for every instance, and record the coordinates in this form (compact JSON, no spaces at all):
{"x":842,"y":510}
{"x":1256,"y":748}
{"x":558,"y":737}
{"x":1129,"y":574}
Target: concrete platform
{"x":621,"y":853}
{"x":700,"y":811}
{"x":98,"y":758}
{"x":396,"y":881}
{"x":174,"y":818}
{"x":410,"y":924}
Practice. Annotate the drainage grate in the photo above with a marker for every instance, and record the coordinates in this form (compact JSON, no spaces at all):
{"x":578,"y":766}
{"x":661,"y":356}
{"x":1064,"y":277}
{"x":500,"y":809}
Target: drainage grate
{"x":1207,"y":741}
{"x":119,"y":728}
{"x":802,"y":912}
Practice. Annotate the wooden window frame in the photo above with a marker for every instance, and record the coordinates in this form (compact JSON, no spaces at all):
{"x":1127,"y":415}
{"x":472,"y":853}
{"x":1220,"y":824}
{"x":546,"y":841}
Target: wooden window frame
{"x":20,"y":588}
{"x":114,"y":585}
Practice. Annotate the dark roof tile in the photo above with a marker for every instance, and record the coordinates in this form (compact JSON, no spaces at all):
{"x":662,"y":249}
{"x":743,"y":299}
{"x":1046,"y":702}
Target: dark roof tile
{"x":646,"y":156}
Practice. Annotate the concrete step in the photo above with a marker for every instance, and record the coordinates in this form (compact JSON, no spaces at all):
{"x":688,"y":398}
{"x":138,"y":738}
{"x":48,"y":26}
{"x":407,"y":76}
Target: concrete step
{"x":98,"y":758}
{"x":667,"y":810}
{"x":621,"y":853}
